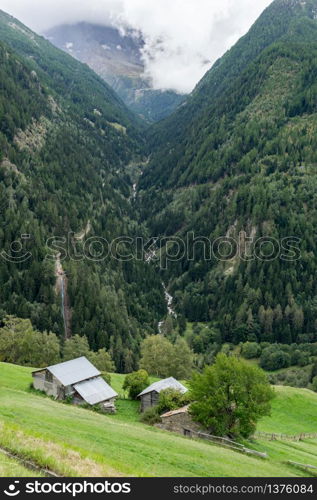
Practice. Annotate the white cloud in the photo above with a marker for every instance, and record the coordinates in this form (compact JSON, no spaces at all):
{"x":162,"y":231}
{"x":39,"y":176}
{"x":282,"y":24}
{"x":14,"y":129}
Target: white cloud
{"x":182,"y":37}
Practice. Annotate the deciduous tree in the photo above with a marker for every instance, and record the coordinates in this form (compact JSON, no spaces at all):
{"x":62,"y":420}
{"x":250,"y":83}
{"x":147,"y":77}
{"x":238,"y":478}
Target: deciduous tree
{"x":230,"y":397}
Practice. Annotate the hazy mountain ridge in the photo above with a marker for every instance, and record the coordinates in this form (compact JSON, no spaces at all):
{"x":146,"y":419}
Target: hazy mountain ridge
{"x":116,"y":57}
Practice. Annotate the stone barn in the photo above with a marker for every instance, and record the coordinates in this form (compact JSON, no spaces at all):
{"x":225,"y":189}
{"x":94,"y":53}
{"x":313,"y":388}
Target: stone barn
{"x":150,"y":396}
{"x":179,"y":421}
{"x":79,"y":380}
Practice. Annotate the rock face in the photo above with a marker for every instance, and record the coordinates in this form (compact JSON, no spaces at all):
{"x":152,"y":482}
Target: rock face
{"x":117,"y":59}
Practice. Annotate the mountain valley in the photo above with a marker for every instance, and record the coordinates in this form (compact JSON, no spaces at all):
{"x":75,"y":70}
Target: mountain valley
{"x":235,"y":161}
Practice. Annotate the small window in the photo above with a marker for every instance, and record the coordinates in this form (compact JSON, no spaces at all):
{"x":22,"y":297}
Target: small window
{"x":48,"y":376}
{"x":187,"y":432}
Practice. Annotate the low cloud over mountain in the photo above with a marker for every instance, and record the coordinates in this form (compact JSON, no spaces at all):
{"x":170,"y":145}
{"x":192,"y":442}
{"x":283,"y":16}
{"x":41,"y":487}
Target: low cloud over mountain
{"x":182,"y":38}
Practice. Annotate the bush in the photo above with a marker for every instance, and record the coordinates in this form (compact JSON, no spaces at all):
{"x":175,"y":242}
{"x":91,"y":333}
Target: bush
{"x":78,"y":346}
{"x":136,"y":382}
{"x":251,"y":350}
{"x":313,"y":372}
{"x":272,"y":359}
{"x":163,"y":359}
{"x":171,"y":399}
{"x":276,"y":356}
{"x":101,"y":360}
{"x":22,"y":345}
{"x":151,"y":416}
{"x":292,"y":377}
{"x":106,"y":377}
{"x":303,"y":359}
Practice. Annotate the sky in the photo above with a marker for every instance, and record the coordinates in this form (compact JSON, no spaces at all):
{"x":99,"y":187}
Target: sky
{"x":183,"y":38}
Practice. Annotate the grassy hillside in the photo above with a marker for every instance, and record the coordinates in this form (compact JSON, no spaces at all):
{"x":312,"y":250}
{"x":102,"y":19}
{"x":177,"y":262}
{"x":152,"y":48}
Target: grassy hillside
{"x":43,"y":430}
{"x":12,"y":468}
{"x":294,"y":412}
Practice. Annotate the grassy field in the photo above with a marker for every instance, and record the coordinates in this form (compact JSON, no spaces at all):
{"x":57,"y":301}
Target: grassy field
{"x":77,"y":442}
{"x":12,"y":468}
{"x":294,"y":411}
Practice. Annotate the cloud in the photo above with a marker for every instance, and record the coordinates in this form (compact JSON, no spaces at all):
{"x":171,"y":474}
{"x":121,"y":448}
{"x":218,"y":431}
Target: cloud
{"x":183,"y":38}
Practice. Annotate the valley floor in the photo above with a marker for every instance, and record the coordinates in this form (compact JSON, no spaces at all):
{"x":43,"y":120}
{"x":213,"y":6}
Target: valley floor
{"x":74,"y":442}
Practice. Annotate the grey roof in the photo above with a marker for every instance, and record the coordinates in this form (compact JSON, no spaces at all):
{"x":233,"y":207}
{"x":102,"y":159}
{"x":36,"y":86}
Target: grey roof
{"x":95,"y":391}
{"x":74,"y":371}
{"x":167,"y":383}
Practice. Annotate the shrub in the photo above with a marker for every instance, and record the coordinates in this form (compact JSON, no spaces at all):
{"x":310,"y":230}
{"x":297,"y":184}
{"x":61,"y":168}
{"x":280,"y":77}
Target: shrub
{"x":106,"y":377}
{"x":22,"y":345}
{"x":101,"y":360}
{"x":151,"y":416}
{"x":293,"y":377}
{"x":163,"y":359}
{"x":136,"y":382}
{"x":251,"y":350}
{"x":272,"y":359}
{"x":171,"y":399}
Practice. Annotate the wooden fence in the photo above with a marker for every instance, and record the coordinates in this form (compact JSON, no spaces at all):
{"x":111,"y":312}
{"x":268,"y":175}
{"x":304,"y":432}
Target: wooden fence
{"x":309,"y":468}
{"x":227,"y":443}
{"x":271,"y":436}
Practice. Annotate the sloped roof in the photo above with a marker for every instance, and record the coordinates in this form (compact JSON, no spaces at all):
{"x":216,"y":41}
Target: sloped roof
{"x":95,"y":391}
{"x":184,"y":409}
{"x":74,"y":371}
{"x":167,"y":383}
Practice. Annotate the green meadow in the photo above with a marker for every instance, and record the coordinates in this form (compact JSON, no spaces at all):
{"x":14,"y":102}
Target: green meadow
{"x":73,"y":441}
{"x":12,"y":468}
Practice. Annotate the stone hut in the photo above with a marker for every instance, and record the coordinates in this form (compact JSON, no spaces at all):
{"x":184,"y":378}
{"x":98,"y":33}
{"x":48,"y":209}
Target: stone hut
{"x":179,"y":421}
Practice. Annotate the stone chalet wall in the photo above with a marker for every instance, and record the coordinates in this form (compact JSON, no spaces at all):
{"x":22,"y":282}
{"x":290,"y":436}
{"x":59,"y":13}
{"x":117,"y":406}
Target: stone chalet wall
{"x":51,"y":387}
{"x":179,"y":422}
{"x":45,"y":382}
{"x":78,"y":400}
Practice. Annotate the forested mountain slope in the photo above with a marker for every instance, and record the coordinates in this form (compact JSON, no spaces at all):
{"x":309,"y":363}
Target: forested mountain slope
{"x":183,"y":134}
{"x":64,"y":156}
{"x":238,"y":158}
{"x":240,"y":155}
